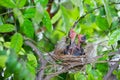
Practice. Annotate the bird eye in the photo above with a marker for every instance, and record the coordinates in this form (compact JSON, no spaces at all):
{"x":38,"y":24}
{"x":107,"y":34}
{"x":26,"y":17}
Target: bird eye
{"x":83,"y":38}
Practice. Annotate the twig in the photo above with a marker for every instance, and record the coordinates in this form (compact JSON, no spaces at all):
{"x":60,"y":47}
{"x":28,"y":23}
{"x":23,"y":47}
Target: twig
{"x":20,"y":9}
{"x":79,"y":64}
{"x":41,"y":59}
{"x":65,"y":69}
{"x":77,"y":21}
{"x":48,"y":39}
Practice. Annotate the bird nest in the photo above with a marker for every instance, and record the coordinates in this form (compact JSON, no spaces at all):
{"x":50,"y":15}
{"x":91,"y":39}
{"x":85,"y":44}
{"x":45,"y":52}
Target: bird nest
{"x":70,"y":59}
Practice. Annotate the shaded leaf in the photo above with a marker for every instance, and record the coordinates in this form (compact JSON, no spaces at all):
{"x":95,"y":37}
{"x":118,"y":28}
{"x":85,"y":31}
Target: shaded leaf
{"x":114,"y":37}
{"x":7,"y":3}
{"x":3,"y":58}
{"x":18,"y":14}
{"x":102,"y":23}
{"x":6,"y":28}
{"x":16,"y":42}
{"x":47,"y":21}
{"x":28,"y":29}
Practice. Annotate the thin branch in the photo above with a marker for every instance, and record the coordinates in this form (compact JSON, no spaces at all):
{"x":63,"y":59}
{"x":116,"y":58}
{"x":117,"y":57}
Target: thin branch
{"x":41,"y":59}
{"x":48,"y":39}
{"x":8,"y":12}
{"x":77,"y":21}
{"x":65,"y":69}
{"x":79,"y":64}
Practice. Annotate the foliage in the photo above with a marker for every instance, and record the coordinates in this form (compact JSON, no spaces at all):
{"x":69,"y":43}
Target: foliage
{"x":28,"y":18}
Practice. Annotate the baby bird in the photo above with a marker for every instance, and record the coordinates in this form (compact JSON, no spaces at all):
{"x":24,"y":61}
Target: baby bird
{"x":70,"y":48}
{"x":79,"y":50}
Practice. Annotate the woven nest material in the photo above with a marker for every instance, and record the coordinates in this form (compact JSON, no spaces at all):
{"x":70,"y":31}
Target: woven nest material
{"x":71,"y":59}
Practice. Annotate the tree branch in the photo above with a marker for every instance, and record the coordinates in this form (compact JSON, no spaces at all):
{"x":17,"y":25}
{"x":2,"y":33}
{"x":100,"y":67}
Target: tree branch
{"x":66,"y":68}
{"x":41,"y":59}
{"x":112,"y":68}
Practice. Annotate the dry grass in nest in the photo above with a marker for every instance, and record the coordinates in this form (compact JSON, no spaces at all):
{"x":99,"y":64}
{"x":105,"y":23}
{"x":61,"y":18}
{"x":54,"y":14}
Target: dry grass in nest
{"x":70,"y":59}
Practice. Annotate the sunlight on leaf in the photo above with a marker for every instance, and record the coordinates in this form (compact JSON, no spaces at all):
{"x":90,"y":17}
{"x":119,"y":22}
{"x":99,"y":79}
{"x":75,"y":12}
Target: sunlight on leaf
{"x":20,"y":3}
{"x":114,"y":37}
{"x":79,"y":76}
{"x":16,"y":42}
{"x":56,"y":17}
{"x":18,"y":14}
{"x":6,"y":28}
{"x":7,"y":3}
{"x":108,"y":12}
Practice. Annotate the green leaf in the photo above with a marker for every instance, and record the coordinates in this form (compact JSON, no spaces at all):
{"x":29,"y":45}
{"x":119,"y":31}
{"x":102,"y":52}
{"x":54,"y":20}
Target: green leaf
{"x":20,"y":3}
{"x":65,"y":19}
{"x":16,"y":42}
{"x":7,"y":44}
{"x":7,"y":3}
{"x":102,"y":23}
{"x":88,"y":68}
{"x":32,"y":60}
{"x":42,"y":2}
{"x":47,"y":21}
{"x":3,"y":58}
{"x":31,"y":68}
{"x":76,"y":2}
{"x":56,"y":17}
{"x":6,"y":28}
{"x":102,"y":67}
{"x":27,"y":28}
{"x":18,"y":14}
{"x":38,"y":14}
{"x":29,"y":13}
{"x":1,"y":22}
{"x":79,"y":76}
{"x":90,"y":77}
{"x":108,"y":12}
{"x":11,"y":61}
{"x":114,"y":37}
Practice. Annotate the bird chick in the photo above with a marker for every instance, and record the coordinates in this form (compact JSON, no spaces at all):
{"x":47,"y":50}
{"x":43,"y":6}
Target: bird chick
{"x":72,"y":46}
{"x":79,"y":50}
{"x":81,"y":39}
{"x":72,"y":35}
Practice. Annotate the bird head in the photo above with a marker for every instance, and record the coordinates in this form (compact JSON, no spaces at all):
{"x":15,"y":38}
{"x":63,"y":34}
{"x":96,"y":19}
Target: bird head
{"x":72,"y":35}
{"x":81,"y":38}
